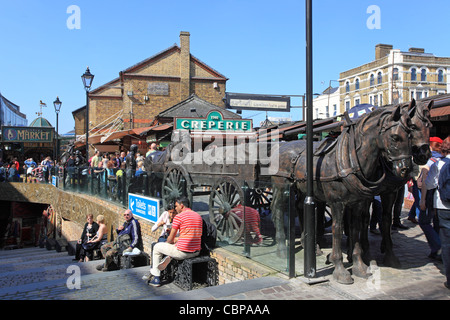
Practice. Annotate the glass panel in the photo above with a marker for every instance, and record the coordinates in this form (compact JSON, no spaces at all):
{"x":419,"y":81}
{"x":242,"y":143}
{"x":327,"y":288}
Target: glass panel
{"x":254,"y":219}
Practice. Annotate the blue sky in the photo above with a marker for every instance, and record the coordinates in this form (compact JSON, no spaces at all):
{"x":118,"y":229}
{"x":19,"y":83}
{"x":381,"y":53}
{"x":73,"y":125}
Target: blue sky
{"x":258,"y":45}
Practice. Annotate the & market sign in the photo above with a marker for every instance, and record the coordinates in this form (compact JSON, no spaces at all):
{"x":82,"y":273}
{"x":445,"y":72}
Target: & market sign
{"x":214,"y":121}
{"x":27,"y":134}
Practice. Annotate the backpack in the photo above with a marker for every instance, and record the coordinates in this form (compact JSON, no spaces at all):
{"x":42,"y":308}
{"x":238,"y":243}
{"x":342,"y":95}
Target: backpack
{"x":209,"y":236}
{"x":444,"y":181}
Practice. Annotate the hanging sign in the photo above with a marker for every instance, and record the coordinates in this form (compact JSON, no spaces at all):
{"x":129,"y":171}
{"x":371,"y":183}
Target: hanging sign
{"x":27,"y":134}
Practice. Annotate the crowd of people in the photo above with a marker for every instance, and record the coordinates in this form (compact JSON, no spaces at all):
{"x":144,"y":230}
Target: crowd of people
{"x":11,"y":170}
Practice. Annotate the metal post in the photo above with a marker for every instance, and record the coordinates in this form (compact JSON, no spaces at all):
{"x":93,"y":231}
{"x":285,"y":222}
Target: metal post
{"x":57,"y":139}
{"x":87,"y":126}
{"x":310,"y":228}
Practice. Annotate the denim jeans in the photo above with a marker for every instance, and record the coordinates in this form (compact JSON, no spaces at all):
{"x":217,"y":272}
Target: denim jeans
{"x":376,"y":214}
{"x":415,"y":208}
{"x":444,"y":232}
{"x":425,"y":219}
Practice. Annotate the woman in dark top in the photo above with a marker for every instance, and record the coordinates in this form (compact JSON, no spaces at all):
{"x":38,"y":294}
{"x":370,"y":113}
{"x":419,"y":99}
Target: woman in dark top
{"x":89,"y":231}
{"x":98,"y":240}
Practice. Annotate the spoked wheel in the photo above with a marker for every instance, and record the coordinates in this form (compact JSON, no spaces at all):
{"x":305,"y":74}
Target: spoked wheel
{"x":225,"y":196}
{"x":260,"y":199}
{"x":176,"y":184}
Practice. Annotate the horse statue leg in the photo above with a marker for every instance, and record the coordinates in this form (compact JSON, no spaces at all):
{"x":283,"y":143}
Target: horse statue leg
{"x":340,"y":274}
{"x":359,"y":268}
{"x":365,"y":233}
{"x":387,"y":202}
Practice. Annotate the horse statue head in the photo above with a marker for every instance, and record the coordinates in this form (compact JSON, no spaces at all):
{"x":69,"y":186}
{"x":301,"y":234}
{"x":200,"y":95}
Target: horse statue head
{"x":420,"y":124}
{"x":387,"y":129}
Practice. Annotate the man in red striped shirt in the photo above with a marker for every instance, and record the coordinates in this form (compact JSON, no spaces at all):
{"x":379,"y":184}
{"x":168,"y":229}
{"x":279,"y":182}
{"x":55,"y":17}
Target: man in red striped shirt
{"x":187,"y":245}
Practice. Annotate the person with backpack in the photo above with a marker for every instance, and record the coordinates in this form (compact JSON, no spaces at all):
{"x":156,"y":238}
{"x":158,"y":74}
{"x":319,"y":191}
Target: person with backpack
{"x":128,"y":238}
{"x":439,"y":177}
{"x":427,"y":213}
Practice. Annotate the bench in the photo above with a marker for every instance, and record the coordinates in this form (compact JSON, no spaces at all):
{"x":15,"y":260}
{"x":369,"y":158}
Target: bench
{"x":133,"y":261}
{"x":193,"y":272}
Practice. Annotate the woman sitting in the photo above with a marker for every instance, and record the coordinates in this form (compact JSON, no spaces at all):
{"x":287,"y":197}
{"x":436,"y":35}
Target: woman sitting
{"x":98,"y":240}
{"x":89,"y":230}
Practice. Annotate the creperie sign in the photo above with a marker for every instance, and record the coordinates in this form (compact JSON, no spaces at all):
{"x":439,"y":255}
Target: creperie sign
{"x":214,"y":121}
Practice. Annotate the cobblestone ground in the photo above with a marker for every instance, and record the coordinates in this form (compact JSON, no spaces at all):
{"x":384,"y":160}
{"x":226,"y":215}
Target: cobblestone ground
{"x":40,"y":274}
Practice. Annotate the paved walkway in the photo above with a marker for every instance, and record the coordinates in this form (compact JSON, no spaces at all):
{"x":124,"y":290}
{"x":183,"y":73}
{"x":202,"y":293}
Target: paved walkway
{"x":40,"y":274}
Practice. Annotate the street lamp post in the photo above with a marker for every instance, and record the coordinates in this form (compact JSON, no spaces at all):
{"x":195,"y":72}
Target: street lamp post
{"x":309,"y":205}
{"x":87,"y":78}
{"x":57,"y":104}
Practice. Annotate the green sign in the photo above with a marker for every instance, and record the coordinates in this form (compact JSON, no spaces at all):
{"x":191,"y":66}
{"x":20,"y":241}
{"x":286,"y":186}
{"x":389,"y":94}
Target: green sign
{"x":27,"y":134}
{"x":214,"y":122}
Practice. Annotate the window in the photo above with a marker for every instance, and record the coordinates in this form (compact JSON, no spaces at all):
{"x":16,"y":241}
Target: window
{"x":334,"y":110}
{"x":440,"y":76}
{"x":395,"y":74}
{"x":379,"y":78}
{"x":413,"y":74}
{"x":380,"y":100}
{"x":357,"y":84}
{"x":347,"y":105}
{"x":372,"y":80}
{"x":327,"y":111}
{"x":357,"y":101}
{"x":347,"y":86}
{"x":423,"y":75}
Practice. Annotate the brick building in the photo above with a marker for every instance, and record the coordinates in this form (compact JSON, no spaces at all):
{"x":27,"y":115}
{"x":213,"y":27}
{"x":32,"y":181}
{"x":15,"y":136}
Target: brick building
{"x":144,"y":90}
{"x":393,"y":77}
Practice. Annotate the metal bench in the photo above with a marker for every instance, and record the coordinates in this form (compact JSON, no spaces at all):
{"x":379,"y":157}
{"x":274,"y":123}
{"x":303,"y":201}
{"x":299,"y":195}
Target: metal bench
{"x":189,"y":273}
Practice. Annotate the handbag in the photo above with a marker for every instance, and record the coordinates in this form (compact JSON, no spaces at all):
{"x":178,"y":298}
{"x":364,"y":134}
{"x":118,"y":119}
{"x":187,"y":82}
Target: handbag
{"x":89,"y":245}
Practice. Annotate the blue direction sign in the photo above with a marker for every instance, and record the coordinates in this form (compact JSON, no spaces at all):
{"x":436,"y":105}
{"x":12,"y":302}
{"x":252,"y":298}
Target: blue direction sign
{"x":144,"y":207}
{"x":55,"y":181}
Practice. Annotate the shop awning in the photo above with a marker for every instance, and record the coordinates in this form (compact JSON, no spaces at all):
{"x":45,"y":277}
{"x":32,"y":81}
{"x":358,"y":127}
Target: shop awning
{"x":440,"y":112}
{"x":115,"y":135}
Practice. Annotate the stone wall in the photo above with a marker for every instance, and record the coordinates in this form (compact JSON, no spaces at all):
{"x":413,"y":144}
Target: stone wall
{"x":71,"y":210}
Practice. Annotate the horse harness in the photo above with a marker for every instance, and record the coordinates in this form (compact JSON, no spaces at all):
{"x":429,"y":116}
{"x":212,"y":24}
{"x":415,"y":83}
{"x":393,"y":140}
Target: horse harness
{"x":349,"y":172}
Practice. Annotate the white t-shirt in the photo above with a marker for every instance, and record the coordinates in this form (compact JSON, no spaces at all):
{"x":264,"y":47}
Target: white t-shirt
{"x":431,"y":182}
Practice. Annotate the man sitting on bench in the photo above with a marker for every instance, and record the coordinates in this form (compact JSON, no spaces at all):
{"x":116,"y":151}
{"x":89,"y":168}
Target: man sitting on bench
{"x":128,"y":238}
{"x":187,"y":245}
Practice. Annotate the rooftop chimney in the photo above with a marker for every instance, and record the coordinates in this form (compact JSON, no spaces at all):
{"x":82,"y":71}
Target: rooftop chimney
{"x":382,"y":50}
{"x":185,"y":62}
{"x":417,"y":50}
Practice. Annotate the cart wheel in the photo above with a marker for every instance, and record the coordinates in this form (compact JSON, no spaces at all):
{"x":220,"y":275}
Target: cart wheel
{"x":175,"y":184}
{"x":226,"y":195}
{"x":260,"y":199}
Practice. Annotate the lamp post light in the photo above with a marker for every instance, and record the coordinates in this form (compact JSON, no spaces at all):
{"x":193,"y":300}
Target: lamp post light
{"x":57,"y":104}
{"x":87,"y":78}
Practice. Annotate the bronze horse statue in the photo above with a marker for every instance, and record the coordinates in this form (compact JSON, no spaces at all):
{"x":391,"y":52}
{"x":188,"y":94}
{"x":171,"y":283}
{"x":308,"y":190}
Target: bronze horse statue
{"x":418,"y":124}
{"x":346,"y":171}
